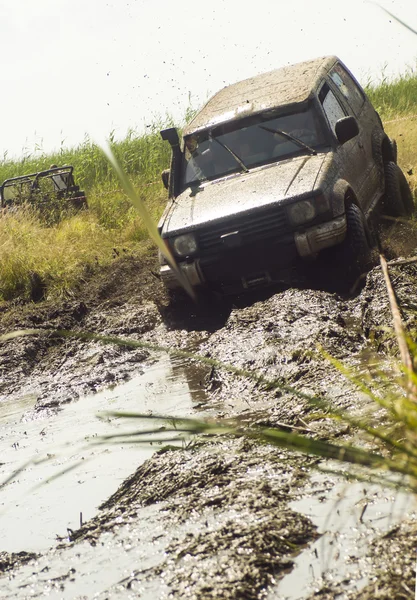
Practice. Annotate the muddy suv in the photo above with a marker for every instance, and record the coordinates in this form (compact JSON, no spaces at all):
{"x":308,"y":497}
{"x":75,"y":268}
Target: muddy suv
{"x":274,"y":171}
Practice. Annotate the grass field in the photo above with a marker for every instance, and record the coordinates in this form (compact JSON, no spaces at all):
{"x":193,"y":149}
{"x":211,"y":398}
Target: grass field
{"x":63,"y":255}
{"x":394,"y":98}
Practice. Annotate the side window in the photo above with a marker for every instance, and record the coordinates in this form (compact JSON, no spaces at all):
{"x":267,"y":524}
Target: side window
{"x":348,"y":87}
{"x":331,"y":106}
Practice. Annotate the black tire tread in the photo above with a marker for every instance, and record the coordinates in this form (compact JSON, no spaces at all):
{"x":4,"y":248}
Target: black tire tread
{"x":406,"y":193}
{"x":394,"y":151}
{"x":357,"y":248}
{"x":393,"y":202}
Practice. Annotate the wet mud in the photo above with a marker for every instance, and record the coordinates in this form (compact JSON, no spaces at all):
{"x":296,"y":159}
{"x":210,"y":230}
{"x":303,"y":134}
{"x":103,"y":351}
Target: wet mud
{"x":216,"y":518}
{"x":10,"y":561}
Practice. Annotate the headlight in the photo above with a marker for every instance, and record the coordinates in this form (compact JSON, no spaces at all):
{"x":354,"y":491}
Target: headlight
{"x":185,"y":245}
{"x":301,"y":212}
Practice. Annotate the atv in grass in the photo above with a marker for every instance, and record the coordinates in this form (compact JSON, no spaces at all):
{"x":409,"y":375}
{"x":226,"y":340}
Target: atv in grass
{"x":52,"y":192}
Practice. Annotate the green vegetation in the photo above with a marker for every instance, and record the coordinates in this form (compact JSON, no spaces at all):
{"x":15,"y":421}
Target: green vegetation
{"x":63,"y":255}
{"x":140,"y":154}
{"x":394,"y":98}
{"x":58,"y":256}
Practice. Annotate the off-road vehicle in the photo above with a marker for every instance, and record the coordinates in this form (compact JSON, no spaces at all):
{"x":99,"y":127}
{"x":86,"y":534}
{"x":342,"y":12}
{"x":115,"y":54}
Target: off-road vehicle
{"x":273,"y":171}
{"x":52,"y":189}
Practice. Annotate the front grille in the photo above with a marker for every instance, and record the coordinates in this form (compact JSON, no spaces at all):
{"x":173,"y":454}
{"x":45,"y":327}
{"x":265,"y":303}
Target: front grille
{"x":252,"y":228}
{"x":261,"y":247}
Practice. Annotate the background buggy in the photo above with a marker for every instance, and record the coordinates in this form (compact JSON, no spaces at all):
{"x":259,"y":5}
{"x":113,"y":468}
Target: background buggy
{"x":53,"y":188}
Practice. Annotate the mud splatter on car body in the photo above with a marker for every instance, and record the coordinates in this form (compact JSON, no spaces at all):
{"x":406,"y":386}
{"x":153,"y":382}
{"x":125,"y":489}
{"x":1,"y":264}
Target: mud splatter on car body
{"x":274,"y":171}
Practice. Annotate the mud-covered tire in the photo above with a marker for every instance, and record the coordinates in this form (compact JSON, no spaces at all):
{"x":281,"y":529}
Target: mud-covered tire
{"x":398,"y":199}
{"x":384,"y":150}
{"x":394,"y":150}
{"x":357,"y":252}
{"x":406,"y":193}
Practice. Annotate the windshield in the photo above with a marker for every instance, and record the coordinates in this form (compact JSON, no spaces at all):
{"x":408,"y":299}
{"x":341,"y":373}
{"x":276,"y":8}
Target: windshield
{"x":17,"y":191}
{"x":37,"y":185}
{"x":210,"y":155}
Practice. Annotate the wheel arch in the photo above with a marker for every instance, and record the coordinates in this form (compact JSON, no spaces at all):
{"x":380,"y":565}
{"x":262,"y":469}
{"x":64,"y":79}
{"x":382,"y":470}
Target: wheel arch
{"x":388,"y":150}
{"x":344,"y":195}
{"x":383,"y":149}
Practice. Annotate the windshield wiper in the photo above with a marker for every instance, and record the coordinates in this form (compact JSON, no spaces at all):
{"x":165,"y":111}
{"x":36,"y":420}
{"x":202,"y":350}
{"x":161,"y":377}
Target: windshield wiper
{"x":235,"y":156}
{"x":289,"y":137}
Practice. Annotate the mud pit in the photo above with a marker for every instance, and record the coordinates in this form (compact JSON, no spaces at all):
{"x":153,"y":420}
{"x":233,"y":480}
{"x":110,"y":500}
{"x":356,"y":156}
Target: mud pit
{"x":219,"y":518}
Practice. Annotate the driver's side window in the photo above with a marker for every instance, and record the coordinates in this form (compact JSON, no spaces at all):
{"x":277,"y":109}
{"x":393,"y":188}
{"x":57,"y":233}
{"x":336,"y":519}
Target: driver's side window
{"x":331,"y":107}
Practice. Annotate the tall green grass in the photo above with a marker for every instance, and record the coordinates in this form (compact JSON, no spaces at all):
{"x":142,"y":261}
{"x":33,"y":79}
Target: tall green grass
{"x":398,"y":96}
{"x":142,"y":155}
{"x":61,"y":259}
{"x":394,"y":97}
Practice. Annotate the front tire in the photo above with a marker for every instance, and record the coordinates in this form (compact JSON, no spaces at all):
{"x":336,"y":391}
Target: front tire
{"x":357,"y":252}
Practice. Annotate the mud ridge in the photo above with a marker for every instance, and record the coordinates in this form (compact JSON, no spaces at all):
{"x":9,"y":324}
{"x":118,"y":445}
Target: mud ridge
{"x":212,"y":520}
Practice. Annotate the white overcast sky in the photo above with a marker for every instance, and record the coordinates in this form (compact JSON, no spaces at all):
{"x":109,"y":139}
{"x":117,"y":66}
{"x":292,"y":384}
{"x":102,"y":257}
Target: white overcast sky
{"x":72,"y":67}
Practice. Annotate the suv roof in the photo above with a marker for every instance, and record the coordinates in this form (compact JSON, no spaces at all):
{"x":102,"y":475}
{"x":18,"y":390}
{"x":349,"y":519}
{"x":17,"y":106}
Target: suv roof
{"x":287,"y":85}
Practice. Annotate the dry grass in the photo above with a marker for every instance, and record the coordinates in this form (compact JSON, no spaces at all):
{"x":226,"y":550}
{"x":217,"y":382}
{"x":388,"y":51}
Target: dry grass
{"x":59,"y":256}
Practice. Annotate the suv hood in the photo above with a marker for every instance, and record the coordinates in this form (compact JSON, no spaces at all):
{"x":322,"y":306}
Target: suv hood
{"x":242,"y":192}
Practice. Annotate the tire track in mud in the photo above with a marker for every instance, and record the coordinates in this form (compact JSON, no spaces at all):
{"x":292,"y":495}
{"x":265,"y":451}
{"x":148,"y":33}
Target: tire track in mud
{"x":227,"y":530}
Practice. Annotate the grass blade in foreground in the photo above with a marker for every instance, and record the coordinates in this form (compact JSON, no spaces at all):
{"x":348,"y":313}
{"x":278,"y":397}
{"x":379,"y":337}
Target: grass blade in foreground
{"x":343,"y":453}
{"x":403,"y":23}
{"x":148,"y":221}
{"x":399,"y":331}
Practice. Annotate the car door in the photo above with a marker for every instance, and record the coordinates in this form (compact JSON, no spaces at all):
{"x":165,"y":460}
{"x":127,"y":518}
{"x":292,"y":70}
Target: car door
{"x":345,"y":162}
{"x":352,"y":96}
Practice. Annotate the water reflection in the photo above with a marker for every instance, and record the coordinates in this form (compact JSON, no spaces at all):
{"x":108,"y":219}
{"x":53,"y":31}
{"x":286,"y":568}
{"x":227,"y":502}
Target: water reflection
{"x":349,"y":516}
{"x":32,"y":514}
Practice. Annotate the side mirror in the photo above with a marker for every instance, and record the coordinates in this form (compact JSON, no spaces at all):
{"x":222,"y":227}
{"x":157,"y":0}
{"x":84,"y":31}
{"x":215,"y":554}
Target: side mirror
{"x":346,"y":129}
{"x":165,"y":178}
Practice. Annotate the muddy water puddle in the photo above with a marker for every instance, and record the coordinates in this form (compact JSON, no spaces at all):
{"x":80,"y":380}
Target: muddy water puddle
{"x":37,"y":506}
{"x":349,"y":516}
{"x":106,"y":571}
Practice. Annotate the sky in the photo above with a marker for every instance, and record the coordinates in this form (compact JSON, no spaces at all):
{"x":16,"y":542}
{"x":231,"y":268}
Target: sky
{"x":73,"y":68}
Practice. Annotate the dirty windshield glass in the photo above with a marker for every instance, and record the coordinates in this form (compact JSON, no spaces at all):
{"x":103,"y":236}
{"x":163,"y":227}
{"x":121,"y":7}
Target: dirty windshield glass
{"x":18,"y":191}
{"x":212,"y":155}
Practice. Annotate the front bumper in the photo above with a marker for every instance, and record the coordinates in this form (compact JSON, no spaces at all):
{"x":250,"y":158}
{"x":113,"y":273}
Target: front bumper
{"x":316,"y":238}
{"x":255,"y":265}
{"x":191,"y":271}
